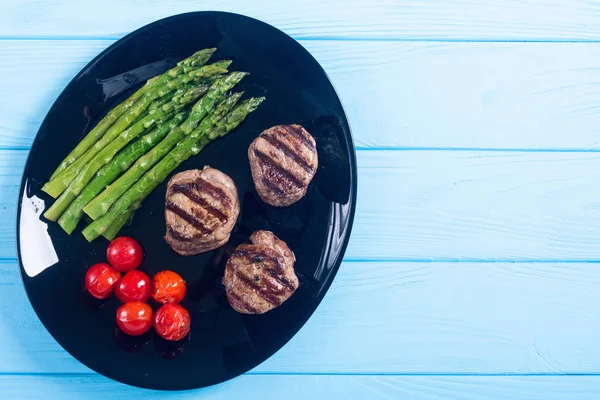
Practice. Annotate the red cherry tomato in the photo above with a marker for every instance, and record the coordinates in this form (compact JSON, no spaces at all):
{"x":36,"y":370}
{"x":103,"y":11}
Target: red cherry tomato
{"x":134,"y":318}
{"x":168,"y":287}
{"x":134,"y":286}
{"x":172,"y":322}
{"x":100,"y":280}
{"x":124,"y":254}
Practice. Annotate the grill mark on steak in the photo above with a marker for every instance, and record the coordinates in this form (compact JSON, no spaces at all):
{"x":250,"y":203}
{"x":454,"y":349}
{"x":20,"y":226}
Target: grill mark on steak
{"x":267,"y":293}
{"x":260,"y":274}
{"x":240,"y":303}
{"x":265,"y":159}
{"x":178,"y":236}
{"x":258,"y":256}
{"x":187,"y":217}
{"x":278,"y":191}
{"x":214,"y":191}
{"x":274,"y":289}
{"x":298,"y":133}
{"x":271,"y":139}
{"x":274,"y":272}
{"x":186,"y":190}
{"x":201,"y":208}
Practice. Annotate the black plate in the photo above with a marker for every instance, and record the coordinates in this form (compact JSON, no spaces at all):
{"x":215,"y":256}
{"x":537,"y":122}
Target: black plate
{"x":222,"y":343}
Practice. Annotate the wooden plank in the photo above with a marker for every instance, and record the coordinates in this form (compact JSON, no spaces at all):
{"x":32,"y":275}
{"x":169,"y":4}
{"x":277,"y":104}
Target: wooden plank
{"x":446,"y":205}
{"x":433,"y":95}
{"x":442,"y":205}
{"x":398,"y":318}
{"x":384,"y":19}
{"x":308,"y":387}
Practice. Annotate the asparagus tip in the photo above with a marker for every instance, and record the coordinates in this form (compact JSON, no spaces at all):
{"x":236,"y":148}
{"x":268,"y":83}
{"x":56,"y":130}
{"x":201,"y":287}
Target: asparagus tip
{"x":255,"y":102}
{"x":207,"y":50}
{"x":223,"y":63}
{"x":237,"y":74}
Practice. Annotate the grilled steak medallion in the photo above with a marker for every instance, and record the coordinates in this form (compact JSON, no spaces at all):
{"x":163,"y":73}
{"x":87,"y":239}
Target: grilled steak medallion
{"x":260,"y":276}
{"x":201,"y":208}
{"x":283,"y":160}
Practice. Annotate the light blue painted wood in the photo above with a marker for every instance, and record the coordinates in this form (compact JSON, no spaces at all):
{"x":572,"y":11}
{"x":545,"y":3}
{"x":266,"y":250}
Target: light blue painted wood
{"x":441,"y":317}
{"x":433,"y":95}
{"x":398,"y":318}
{"x":307,"y":387}
{"x":381,"y":19}
{"x":446,"y":205}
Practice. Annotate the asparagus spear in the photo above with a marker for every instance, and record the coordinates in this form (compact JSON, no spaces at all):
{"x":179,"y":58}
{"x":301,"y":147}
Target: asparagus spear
{"x":98,"y":207}
{"x":107,"y":153}
{"x":96,"y":133}
{"x":107,"y":174}
{"x":66,"y":176}
{"x":158,"y":103}
{"x":134,"y":196}
{"x":195,"y":60}
{"x":56,"y":186}
{"x":115,"y":227}
{"x":155,"y":105}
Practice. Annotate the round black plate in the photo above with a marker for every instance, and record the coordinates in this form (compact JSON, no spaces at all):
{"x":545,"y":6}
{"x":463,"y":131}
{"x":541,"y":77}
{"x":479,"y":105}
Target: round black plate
{"x":222,"y":343}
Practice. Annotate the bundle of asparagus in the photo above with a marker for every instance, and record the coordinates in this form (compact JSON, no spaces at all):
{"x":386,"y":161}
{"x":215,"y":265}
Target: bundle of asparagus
{"x":134,"y":148}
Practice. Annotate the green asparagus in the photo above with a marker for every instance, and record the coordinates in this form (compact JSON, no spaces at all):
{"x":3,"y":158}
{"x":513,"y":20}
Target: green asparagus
{"x":107,"y":174}
{"x":155,"y":105}
{"x":56,"y":186}
{"x":98,"y":207}
{"x":113,"y":230}
{"x":105,"y":155}
{"x":134,"y":196}
{"x":172,"y":96}
{"x":98,"y":131}
{"x":195,"y":60}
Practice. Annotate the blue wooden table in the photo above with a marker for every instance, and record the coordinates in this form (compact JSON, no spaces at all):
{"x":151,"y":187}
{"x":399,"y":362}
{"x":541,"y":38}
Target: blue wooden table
{"x":473,"y":269}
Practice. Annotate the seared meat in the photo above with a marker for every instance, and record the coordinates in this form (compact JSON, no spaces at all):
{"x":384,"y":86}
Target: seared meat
{"x":283,"y":160}
{"x":201,"y":208}
{"x":260,"y":276}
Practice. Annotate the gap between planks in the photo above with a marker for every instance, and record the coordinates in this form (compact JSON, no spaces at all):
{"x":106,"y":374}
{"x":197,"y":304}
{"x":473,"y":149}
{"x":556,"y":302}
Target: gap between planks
{"x":283,"y":373}
{"x":301,"y":38}
{"x":8,"y":260}
{"x":390,"y":148}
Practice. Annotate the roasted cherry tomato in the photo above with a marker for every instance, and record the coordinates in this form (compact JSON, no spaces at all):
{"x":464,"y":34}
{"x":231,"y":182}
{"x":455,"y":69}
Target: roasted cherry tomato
{"x":134,"y":286}
{"x":100,"y":280}
{"x":168,"y":287}
{"x":134,"y":318}
{"x":172,"y":322}
{"x":124,"y":254}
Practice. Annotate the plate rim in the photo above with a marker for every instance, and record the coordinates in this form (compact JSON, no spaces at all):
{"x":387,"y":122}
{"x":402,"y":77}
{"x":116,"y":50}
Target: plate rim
{"x":352,"y":199}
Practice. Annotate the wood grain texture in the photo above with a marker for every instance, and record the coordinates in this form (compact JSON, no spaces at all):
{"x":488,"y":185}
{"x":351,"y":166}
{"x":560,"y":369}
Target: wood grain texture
{"x":470,"y":206}
{"x":306,"y":387}
{"x":397,"y":318}
{"x":405,"y":84}
{"x":445,"y":205}
{"x":432,"y":95}
{"x":383,"y":19}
